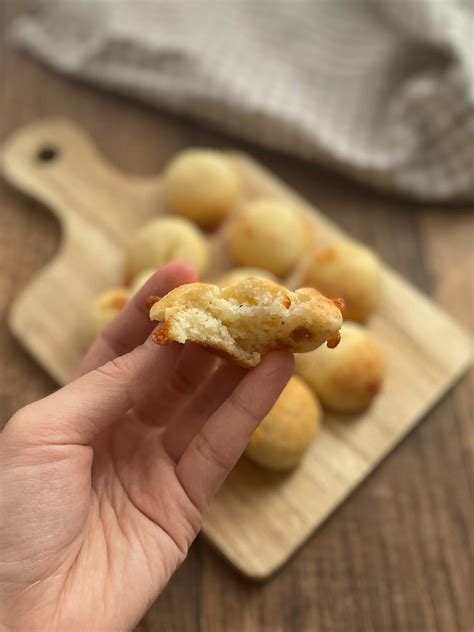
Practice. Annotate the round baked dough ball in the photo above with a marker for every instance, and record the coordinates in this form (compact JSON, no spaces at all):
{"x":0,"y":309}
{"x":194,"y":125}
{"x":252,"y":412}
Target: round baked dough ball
{"x":103,"y":309}
{"x":286,"y":432}
{"x":347,"y":378}
{"x":202,"y":185}
{"x":165,"y":239}
{"x":236,"y":275}
{"x":350,"y":271}
{"x":268,"y":234}
{"x":139,"y":280}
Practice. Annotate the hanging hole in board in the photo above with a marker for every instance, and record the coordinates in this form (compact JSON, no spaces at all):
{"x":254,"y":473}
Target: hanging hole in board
{"x":47,"y":153}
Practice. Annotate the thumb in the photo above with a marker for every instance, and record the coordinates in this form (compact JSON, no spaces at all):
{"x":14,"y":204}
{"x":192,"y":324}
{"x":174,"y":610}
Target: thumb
{"x":78,"y":412}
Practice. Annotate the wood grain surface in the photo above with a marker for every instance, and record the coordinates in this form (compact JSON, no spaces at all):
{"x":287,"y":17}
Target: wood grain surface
{"x":396,"y":556}
{"x":258,"y":519}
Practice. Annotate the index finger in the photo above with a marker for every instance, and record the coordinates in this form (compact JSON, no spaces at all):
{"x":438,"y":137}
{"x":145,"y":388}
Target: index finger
{"x":133,"y":325}
{"x":216,"y":448}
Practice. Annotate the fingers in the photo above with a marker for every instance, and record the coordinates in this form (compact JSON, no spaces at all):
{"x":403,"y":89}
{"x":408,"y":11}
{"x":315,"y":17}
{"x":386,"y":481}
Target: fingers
{"x":80,"y":411}
{"x":216,"y":448}
{"x":190,"y":419}
{"x":152,"y":382}
{"x":192,"y":368}
{"x":133,"y":325}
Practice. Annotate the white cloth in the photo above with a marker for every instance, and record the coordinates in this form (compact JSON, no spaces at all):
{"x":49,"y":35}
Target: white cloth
{"x":382,"y":90}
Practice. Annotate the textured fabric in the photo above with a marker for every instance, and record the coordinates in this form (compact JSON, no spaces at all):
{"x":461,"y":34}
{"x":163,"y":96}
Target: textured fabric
{"x":382,"y":90}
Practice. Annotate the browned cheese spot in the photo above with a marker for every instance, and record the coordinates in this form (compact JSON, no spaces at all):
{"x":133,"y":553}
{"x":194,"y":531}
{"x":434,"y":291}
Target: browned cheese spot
{"x":117,"y":301}
{"x":340,"y":304}
{"x":151,"y":300}
{"x":247,"y":229}
{"x":160,"y":337}
{"x":328,"y":254}
{"x":334,"y":341}
{"x":301,"y":333}
{"x":374,"y":386}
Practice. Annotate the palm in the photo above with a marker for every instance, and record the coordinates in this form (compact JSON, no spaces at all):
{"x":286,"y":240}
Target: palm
{"x":136,"y":516}
{"x":104,"y":483}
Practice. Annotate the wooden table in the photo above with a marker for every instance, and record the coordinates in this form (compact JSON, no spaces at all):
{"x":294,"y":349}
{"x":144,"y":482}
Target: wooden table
{"x":395,"y":556}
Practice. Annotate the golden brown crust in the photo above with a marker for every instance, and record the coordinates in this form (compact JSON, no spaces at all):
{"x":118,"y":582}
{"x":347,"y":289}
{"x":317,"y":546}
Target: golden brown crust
{"x":163,"y":239}
{"x":347,"y":378}
{"x":202,"y":185}
{"x":284,"y":435}
{"x":334,"y":341}
{"x":349,"y":270}
{"x":268,"y":233}
{"x":162,"y":335}
{"x":236,"y":275}
{"x":151,"y":300}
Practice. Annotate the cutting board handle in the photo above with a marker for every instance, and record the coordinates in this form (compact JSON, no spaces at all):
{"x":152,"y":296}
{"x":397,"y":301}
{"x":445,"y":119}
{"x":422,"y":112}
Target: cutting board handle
{"x":97,"y":206}
{"x":56,"y":163}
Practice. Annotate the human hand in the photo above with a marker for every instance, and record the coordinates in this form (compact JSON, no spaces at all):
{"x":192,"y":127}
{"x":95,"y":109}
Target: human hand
{"x":103,"y":484}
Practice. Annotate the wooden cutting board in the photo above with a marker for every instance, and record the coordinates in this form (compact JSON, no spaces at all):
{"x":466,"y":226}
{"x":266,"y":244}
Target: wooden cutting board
{"x":259,"y":518}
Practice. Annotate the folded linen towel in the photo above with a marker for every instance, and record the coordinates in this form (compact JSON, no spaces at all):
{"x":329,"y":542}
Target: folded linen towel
{"x":382,"y":90}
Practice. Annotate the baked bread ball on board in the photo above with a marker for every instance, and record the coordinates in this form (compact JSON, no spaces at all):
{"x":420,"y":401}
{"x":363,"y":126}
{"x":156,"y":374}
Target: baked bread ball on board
{"x":236,"y":275}
{"x":268,"y":234}
{"x":247,"y":320}
{"x":163,"y":240}
{"x":103,"y":309}
{"x":284,"y":435}
{"x":351,"y":271}
{"x":347,"y":378}
{"x":202,"y":185}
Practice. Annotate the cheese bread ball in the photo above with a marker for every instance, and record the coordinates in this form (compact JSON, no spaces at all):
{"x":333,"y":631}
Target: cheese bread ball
{"x":103,"y":309}
{"x":286,"y":432}
{"x":247,"y":320}
{"x":202,"y":185}
{"x":139,"y":280}
{"x":236,"y":275}
{"x":348,"y":270}
{"x":347,"y":378}
{"x":163,"y":240}
{"x":268,"y":234}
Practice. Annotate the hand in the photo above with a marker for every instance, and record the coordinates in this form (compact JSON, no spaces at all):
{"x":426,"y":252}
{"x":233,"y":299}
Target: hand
{"x":103,"y":484}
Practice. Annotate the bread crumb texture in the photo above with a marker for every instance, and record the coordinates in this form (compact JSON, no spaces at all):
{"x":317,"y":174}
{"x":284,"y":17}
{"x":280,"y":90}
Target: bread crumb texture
{"x":247,"y":320}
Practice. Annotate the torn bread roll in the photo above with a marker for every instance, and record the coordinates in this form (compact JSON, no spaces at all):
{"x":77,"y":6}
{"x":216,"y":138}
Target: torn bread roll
{"x":236,"y":275}
{"x":247,"y":320}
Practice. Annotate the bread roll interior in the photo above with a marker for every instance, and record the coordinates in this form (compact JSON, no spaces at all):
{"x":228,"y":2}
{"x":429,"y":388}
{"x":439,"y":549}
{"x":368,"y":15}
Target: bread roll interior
{"x":247,"y":320}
